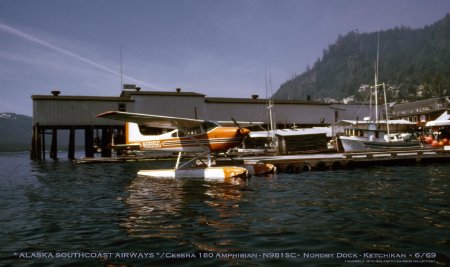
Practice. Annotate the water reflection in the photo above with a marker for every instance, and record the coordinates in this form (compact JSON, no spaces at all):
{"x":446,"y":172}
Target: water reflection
{"x":187,"y":211}
{"x":151,"y":203}
{"x":49,"y":206}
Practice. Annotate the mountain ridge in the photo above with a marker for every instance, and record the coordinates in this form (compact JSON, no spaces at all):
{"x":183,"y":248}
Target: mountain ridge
{"x":16,"y":134}
{"x":15,"y":131}
{"x":409,"y":58}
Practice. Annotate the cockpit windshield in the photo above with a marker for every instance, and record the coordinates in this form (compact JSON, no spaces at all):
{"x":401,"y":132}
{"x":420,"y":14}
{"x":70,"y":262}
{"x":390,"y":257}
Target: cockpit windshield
{"x":209,"y":125}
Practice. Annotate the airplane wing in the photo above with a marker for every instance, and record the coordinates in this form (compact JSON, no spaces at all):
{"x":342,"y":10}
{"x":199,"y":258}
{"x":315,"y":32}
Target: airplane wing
{"x":155,"y":121}
{"x":241,"y":123}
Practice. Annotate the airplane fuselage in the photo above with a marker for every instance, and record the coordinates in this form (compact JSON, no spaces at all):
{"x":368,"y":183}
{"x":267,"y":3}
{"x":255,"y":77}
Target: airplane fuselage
{"x":215,"y":140}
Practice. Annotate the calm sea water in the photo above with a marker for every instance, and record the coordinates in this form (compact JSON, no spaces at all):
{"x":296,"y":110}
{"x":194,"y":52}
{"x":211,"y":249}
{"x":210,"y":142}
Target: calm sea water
{"x":62,"y":214}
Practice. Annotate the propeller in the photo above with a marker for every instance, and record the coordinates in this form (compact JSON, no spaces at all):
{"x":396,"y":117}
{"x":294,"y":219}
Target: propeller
{"x":236,"y":123}
{"x":243,"y":131}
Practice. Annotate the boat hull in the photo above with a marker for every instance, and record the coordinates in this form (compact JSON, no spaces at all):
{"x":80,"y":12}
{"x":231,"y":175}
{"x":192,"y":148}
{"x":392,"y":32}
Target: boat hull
{"x":391,"y":145}
{"x":209,"y":173}
{"x":260,"y":168}
{"x":354,"y":143}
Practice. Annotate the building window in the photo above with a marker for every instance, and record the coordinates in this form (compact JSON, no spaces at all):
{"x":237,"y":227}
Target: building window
{"x":423,"y":118}
{"x":122,"y":107}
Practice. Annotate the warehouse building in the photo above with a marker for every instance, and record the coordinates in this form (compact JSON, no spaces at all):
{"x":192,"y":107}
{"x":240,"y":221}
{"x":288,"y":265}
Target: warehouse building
{"x":55,"y":112}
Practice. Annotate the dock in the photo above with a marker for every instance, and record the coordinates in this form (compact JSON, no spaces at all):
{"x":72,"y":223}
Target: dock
{"x":335,"y":161}
{"x":316,"y":162}
{"x":124,"y":158}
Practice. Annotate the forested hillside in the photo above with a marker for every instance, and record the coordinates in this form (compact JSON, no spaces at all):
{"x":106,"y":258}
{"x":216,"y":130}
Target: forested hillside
{"x":408,"y":58}
{"x":15,"y":132}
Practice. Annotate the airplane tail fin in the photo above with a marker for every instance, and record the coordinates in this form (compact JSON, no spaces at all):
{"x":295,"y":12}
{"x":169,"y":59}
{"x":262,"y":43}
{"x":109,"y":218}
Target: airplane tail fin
{"x":132,"y":133}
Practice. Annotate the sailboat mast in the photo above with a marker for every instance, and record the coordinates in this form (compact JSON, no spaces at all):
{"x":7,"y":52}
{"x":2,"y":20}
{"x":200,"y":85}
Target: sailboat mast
{"x":273,"y":141}
{"x":384,"y":89}
{"x":386,"y":109}
{"x":376,"y":78}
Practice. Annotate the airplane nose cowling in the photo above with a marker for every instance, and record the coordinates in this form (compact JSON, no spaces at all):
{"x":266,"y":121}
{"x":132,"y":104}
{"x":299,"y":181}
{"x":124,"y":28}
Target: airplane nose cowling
{"x":244,"y":131}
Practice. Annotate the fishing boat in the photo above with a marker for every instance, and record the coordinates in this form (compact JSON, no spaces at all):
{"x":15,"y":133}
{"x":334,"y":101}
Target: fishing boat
{"x":369,"y":135}
{"x":376,"y":133}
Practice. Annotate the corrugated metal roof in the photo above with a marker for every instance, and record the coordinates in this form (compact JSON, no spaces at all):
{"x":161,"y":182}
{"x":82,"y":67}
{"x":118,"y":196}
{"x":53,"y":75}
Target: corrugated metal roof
{"x":83,"y":98}
{"x":161,"y":93}
{"x":259,"y":101}
{"x":354,"y":122}
{"x":430,"y":101}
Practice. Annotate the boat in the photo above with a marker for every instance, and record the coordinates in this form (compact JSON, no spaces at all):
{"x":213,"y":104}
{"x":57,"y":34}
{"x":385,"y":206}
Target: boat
{"x":221,"y":174}
{"x":283,"y":141}
{"x":367,"y":135}
{"x":287,"y":141}
{"x":260,"y":168}
{"x":376,"y":133}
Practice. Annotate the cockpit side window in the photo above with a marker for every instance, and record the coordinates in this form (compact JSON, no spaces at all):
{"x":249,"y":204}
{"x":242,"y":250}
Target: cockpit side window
{"x":145,"y":130}
{"x":189,"y":131}
{"x":209,"y":125}
{"x":178,"y":133}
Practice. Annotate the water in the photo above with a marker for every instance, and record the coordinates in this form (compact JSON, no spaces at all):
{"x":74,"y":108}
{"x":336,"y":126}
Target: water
{"x":62,"y":214}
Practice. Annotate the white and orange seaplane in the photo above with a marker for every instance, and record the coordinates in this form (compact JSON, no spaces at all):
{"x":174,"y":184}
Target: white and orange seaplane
{"x":198,"y":137}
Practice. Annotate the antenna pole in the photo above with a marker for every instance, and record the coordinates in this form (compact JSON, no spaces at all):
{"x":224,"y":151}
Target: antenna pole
{"x":121,"y":70}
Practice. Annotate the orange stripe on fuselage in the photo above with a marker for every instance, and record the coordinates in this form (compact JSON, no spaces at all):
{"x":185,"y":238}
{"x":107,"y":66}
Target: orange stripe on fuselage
{"x":218,"y":139}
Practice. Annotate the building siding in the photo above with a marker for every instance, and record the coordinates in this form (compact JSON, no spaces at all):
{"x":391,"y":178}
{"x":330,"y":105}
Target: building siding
{"x":82,"y":110}
{"x":72,"y":112}
{"x":178,"y":106}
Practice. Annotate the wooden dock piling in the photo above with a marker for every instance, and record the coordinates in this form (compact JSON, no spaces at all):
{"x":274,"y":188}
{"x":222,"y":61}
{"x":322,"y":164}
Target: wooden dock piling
{"x":89,"y":142}
{"x":71,"y":150}
{"x":54,"y":144}
{"x":104,"y":141}
{"x":35,"y":143}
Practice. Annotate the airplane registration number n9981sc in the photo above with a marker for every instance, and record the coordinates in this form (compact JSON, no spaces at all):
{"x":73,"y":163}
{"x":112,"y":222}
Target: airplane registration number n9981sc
{"x":151,"y":144}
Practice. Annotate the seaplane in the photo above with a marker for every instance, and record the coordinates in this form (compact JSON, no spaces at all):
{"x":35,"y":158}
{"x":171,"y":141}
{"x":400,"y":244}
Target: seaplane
{"x":186,"y":136}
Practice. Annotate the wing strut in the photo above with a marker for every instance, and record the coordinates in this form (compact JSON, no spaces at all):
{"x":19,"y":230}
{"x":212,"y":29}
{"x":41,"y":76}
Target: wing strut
{"x":199,"y":157}
{"x":178,"y":160}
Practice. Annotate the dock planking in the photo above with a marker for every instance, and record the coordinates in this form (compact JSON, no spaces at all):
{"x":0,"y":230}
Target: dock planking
{"x":316,"y":162}
{"x":334,"y":161}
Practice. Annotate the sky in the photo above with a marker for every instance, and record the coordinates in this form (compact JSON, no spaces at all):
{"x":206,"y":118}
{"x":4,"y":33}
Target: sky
{"x":220,"y":48}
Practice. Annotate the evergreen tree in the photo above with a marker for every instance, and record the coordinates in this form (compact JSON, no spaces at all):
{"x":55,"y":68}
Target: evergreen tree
{"x":408,"y":58}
